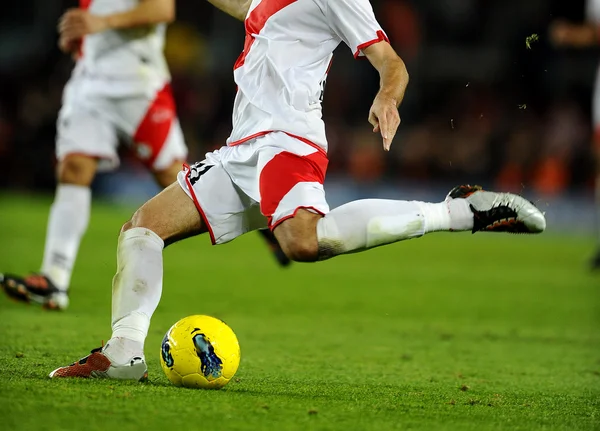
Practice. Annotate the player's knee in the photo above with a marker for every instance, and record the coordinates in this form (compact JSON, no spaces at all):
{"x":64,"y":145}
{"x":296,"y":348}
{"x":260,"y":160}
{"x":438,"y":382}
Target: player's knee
{"x":77,"y":169}
{"x":302,"y":250}
{"x":144,"y":218}
{"x":298,"y":237}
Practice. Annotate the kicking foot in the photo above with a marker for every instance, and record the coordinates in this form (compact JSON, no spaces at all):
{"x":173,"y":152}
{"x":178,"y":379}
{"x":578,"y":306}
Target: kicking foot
{"x":99,"y":365}
{"x":34,"y":288}
{"x":269,"y":237}
{"x":500,"y":212}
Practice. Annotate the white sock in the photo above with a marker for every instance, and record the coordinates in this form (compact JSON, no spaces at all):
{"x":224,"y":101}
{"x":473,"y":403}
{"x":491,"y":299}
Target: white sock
{"x":137,"y":287}
{"x":122,"y":350}
{"x":369,"y":223}
{"x":67,"y":222}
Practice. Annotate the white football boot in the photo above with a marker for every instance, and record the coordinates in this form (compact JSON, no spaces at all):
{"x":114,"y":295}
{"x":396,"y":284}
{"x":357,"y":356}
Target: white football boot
{"x":500,"y":212}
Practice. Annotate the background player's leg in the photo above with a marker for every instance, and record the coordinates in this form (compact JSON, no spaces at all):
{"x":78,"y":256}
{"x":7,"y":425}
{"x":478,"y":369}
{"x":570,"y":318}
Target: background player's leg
{"x":69,"y":217}
{"x":137,"y":285}
{"x":67,"y":222}
{"x":166,"y":177}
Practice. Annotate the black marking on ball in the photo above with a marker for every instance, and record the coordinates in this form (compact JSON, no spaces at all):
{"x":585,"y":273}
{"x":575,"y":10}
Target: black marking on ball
{"x":165,"y":351}
{"x":210,"y":364}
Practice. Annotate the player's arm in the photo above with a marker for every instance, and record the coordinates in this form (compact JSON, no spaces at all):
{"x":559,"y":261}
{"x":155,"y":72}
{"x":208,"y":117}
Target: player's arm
{"x":565,"y":34}
{"x":76,"y":23}
{"x":393,"y":75}
{"x":236,"y":8}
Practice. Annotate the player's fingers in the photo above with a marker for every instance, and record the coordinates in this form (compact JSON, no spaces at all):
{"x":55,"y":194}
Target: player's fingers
{"x":373,"y":120}
{"x":394,"y":124}
{"x":384,"y":129}
{"x":69,"y":22}
{"x":74,"y":32}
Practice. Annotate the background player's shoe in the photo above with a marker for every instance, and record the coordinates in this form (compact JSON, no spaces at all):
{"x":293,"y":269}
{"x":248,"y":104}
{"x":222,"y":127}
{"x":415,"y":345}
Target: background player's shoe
{"x":273,"y":244}
{"x":34,"y":288}
{"x":99,"y":365}
{"x":500,"y":212}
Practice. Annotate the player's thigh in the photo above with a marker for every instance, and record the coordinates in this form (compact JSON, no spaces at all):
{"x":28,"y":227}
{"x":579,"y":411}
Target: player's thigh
{"x":226,"y":211}
{"x":85,"y":129}
{"x":171,"y":214}
{"x":152,"y":130}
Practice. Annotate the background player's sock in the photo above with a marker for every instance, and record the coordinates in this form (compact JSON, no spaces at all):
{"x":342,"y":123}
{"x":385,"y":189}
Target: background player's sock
{"x":369,"y":223}
{"x":67,"y":222}
{"x":137,"y":287}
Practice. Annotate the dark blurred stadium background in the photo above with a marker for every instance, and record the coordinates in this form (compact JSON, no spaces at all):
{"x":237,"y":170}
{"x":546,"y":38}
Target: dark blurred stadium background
{"x":481,"y":106}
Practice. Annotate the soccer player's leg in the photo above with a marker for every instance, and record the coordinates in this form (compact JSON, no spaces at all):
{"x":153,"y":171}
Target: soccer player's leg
{"x":202,"y":200}
{"x":137,"y":285}
{"x":298,"y":213}
{"x":365,"y":224}
{"x":159,"y":143}
{"x":85,"y":142}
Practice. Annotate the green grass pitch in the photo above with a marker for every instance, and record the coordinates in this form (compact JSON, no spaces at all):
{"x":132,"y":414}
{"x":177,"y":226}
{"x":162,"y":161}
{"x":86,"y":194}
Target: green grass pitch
{"x":451,"y":331}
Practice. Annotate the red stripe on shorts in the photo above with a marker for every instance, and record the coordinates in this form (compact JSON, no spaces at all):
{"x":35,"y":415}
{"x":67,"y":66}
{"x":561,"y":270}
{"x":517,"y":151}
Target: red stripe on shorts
{"x":153,"y":130}
{"x":283,"y":172}
{"x":186,"y":173}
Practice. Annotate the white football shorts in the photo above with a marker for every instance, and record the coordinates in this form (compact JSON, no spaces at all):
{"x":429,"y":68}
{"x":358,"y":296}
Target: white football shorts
{"x":92,"y":123}
{"x":256,"y":184}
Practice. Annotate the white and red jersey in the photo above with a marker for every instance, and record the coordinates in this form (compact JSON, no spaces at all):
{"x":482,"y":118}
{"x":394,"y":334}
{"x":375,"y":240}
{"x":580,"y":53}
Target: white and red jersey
{"x":282,"y":70}
{"x":134,"y":54}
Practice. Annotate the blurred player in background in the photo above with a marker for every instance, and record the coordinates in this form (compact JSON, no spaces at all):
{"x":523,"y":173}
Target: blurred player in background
{"x":586,"y":35}
{"x":272,"y":169}
{"x":119,"y":90}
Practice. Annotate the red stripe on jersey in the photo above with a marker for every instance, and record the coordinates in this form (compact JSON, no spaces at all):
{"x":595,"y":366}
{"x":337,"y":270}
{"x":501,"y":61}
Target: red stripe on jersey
{"x":153,"y":130}
{"x":266,"y":132}
{"x":283,"y":172}
{"x":381,"y":37}
{"x":85,"y":5}
{"x":256,"y":22}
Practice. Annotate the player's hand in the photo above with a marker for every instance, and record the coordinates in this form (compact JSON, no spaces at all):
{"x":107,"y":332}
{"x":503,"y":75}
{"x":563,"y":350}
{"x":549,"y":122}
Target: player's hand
{"x":385,"y":119}
{"x":76,"y":23}
{"x":69,"y":46}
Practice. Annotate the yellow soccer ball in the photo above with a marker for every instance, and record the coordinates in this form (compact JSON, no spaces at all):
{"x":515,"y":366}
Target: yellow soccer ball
{"x":200,"y":352}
